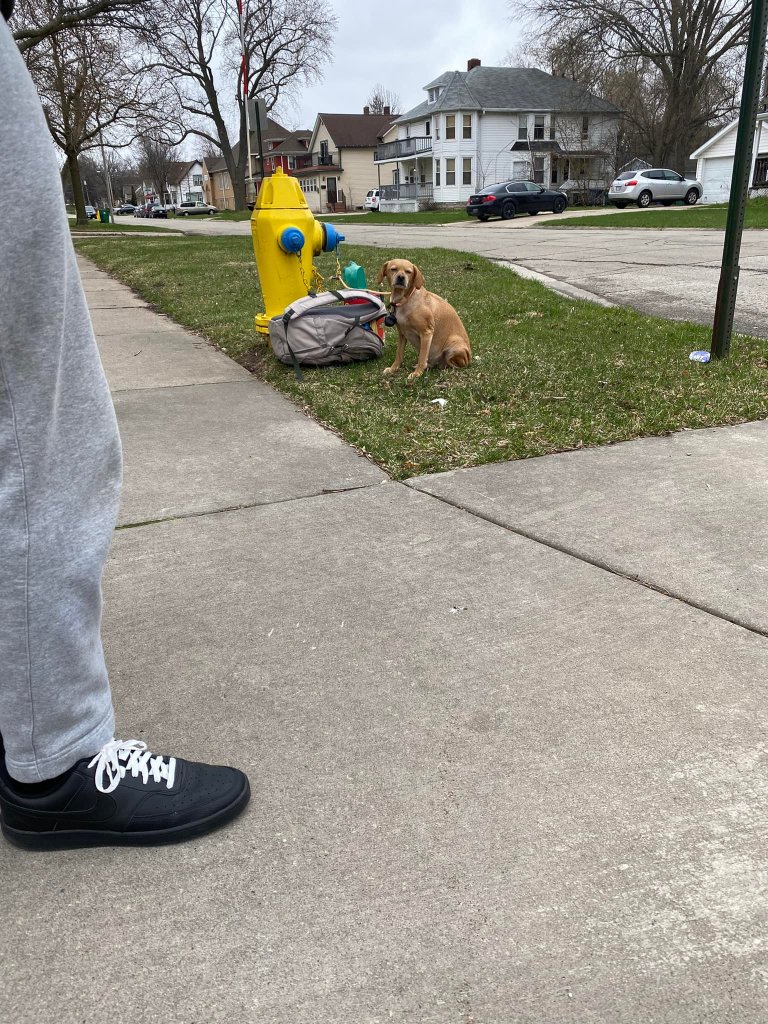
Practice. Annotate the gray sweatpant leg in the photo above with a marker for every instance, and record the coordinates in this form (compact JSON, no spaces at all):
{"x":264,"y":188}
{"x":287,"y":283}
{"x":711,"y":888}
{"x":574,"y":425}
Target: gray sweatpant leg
{"x":60,"y":462}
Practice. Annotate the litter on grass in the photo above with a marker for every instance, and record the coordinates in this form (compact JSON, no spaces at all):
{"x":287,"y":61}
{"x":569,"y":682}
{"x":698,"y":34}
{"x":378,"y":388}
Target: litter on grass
{"x":442,"y":402}
{"x":699,"y":356}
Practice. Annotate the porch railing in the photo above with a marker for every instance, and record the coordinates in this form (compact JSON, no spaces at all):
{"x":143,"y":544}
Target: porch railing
{"x":417,"y":190}
{"x":316,"y":160}
{"x":403,"y":148}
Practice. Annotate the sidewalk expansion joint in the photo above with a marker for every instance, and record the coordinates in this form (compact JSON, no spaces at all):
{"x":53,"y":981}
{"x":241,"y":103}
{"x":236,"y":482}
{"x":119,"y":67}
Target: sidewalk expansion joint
{"x":246,"y":505}
{"x":192,"y":384}
{"x":596,"y":563}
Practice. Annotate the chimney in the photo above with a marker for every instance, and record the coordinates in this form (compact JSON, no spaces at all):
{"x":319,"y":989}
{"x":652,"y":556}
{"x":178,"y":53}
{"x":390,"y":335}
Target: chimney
{"x":387,"y":112}
{"x":366,"y":110}
{"x":473,"y":62}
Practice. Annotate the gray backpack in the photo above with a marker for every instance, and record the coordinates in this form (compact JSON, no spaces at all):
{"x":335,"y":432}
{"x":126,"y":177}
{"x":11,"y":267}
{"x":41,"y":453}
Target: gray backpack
{"x":317,"y":331}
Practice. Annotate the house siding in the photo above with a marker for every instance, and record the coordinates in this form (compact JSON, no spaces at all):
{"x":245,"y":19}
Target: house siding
{"x":355,"y":173}
{"x":490,"y":149}
{"x":714,"y":168}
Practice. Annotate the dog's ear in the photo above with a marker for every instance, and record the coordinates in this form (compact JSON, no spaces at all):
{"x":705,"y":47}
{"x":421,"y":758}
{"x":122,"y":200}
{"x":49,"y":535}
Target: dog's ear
{"x":382,"y":273}
{"x":418,"y":277}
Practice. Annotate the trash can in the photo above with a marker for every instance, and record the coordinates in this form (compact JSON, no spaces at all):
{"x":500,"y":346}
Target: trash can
{"x":104,"y":216}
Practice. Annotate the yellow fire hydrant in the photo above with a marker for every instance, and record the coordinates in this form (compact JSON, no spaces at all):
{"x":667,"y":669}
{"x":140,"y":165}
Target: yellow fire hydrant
{"x":285,"y":238}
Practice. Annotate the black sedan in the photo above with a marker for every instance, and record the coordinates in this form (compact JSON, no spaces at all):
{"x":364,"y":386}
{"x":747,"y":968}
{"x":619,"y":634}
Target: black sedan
{"x":513,"y":197}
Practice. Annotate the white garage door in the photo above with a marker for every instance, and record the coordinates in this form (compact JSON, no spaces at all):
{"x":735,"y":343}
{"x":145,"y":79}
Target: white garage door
{"x":716,"y":178}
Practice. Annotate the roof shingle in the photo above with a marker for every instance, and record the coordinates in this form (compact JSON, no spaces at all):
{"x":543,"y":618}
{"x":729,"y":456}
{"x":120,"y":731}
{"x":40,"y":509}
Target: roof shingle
{"x":510,"y":89}
{"x":356,"y":131}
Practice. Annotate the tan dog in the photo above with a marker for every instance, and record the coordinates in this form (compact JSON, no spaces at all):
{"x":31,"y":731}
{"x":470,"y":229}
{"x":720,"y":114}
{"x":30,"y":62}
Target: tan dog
{"x":430,"y":323}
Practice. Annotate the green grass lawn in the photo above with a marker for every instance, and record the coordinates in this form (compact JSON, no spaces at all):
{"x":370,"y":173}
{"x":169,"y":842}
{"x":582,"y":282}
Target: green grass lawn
{"x":432,"y":217}
{"x":549,"y":374}
{"x":230,"y":215}
{"x":96,"y":225}
{"x":699,"y":217}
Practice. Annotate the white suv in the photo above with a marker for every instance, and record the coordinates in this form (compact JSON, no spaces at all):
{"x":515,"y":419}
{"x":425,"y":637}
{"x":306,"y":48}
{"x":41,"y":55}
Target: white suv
{"x":372,"y":199}
{"x":655,"y":185}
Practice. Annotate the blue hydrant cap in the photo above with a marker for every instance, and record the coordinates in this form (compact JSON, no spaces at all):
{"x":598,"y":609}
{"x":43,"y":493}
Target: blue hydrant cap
{"x":292,"y":240}
{"x":331,"y":238}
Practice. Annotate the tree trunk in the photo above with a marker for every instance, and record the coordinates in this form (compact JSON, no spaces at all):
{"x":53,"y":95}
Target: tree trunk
{"x":238,"y":188}
{"x":77,"y":188}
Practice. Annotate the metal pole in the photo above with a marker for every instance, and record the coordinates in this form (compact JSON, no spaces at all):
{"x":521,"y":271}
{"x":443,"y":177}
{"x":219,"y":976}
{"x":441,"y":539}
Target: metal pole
{"x":742,"y":163}
{"x":249,"y":176}
{"x":257,"y":111}
{"x":108,"y":180}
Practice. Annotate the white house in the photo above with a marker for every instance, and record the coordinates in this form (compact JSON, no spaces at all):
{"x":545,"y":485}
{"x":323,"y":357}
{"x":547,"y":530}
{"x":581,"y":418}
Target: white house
{"x":714,"y":162}
{"x":486,"y":125}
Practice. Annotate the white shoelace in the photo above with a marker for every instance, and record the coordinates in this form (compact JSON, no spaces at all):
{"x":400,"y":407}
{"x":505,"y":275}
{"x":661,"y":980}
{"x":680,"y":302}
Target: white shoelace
{"x":118,"y":757}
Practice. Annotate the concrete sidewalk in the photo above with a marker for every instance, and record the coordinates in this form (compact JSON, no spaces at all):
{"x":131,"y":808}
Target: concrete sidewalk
{"x":495,"y":779}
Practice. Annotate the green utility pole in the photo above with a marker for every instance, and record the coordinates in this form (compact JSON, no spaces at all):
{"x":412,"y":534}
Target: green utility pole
{"x":742,"y":166}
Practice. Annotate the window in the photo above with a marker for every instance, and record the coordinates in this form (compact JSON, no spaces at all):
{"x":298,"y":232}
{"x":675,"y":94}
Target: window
{"x":522,"y":126}
{"x":466,"y":131}
{"x":433,"y":95}
{"x":450,"y":127}
{"x":760,"y":179}
{"x":197,"y":179}
{"x":538,"y":126}
{"x":466,"y":171}
{"x":292,"y":163}
{"x":450,"y":171}
{"x":428,"y":128}
{"x":538,"y":168}
{"x":552,"y":129}
{"x":324,"y":159}
{"x":585,"y":127}
{"x":223,"y":180}
{"x":437,"y":173}
{"x":516,"y":186}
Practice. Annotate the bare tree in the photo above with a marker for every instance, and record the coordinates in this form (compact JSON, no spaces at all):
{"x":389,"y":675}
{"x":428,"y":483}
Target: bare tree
{"x":158,"y":159}
{"x":196,"y":44}
{"x":682,"y":54}
{"x":381,"y":98}
{"x":32,"y":25}
{"x":89,"y":92}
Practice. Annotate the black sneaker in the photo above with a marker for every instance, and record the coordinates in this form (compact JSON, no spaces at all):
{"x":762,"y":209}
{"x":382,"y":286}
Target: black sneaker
{"x":124,"y":796}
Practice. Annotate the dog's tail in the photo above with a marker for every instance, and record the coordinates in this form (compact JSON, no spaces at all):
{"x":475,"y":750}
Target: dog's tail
{"x":457,"y":354}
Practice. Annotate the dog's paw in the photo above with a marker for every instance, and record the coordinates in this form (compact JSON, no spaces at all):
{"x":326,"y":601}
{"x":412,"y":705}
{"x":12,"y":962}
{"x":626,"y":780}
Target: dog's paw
{"x":414,"y":376}
{"x":388,"y":370}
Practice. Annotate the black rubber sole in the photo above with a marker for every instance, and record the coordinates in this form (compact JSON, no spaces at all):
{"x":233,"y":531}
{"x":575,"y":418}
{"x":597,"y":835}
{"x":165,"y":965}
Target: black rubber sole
{"x":157,"y":837}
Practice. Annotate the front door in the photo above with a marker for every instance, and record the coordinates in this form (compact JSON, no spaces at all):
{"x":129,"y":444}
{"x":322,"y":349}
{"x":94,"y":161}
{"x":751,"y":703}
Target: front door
{"x":330,"y":186}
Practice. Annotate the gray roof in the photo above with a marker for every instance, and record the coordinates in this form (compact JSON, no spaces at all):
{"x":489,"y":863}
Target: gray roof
{"x":510,"y":89}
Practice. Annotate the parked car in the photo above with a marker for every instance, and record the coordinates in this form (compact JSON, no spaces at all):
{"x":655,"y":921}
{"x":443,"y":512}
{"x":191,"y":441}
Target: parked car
{"x":90,"y":212}
{"x":511,"y":197}
{"x":125,"y":208}
{"x":654,"y":185}
{"x":372,"y":199}
{"x":190,"y":208}
{"x":156,"y":210}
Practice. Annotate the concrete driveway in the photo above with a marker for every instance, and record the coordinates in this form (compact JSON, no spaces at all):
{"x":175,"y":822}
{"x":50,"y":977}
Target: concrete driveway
{"x":672,"y":273}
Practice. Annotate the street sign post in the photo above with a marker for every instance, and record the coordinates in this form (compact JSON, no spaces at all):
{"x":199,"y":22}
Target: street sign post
{"x":742,"y":166}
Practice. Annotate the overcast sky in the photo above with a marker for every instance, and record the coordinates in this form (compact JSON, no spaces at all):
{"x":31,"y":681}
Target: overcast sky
{"x":403,"y":48}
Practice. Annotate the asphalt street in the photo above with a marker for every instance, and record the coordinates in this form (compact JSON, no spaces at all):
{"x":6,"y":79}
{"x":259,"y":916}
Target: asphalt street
{"x":672,"y":273}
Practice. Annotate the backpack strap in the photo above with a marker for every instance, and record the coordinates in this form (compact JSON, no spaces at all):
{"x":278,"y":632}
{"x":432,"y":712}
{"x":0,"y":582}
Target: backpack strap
{"x":287,"y":315}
